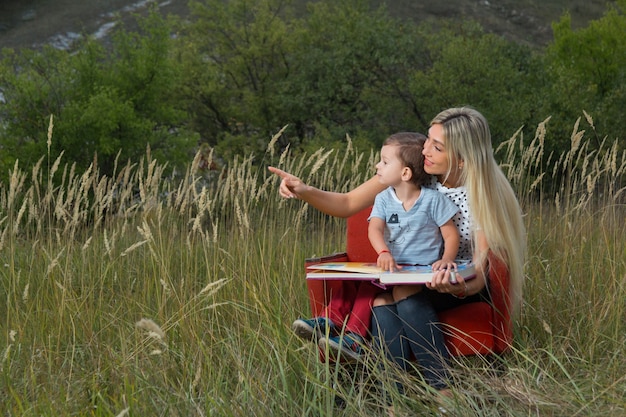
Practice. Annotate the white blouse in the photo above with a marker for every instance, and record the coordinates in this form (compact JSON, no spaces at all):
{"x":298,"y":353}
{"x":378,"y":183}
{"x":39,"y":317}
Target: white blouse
{"x":461,"y":219}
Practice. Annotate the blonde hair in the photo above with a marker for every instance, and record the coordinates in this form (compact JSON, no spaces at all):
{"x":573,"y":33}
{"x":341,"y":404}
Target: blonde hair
{"x":493,"y":205}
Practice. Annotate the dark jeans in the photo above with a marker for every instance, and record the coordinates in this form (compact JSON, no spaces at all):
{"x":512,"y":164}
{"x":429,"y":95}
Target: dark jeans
{"x":411,"y":327}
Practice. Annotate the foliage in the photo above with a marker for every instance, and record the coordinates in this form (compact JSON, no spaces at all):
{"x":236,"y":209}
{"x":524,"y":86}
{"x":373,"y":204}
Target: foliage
{"x":350,"y":72}
{"x":33,"y":86}
{"x":587,"y":71}
{"x":346,"y":68}
{"x":233,"y":55}
{"x":254,"y":69}
{"x":236,"y":72}
{"x":103,"y":103}
{"x":467,"y":66}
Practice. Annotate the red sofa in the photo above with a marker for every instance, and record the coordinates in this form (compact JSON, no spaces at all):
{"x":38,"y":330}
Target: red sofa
{"x":475,"y":328}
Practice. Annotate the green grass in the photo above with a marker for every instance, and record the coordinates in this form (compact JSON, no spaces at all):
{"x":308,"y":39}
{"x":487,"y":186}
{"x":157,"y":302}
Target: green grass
{"x":214,"y":264}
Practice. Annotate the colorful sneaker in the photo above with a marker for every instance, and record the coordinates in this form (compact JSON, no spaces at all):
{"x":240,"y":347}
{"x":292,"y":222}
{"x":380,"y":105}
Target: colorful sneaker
{"x":309,"y":329}
{"x":348,"y":346}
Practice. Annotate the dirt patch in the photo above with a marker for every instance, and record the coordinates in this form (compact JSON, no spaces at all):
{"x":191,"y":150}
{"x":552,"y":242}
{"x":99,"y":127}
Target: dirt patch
{"x":28,"y":24}
{"x":522,"y":21}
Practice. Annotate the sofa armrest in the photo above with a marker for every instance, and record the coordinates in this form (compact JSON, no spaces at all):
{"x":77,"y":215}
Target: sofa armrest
{"x":319,"y":289}
{"x":499,"y":291}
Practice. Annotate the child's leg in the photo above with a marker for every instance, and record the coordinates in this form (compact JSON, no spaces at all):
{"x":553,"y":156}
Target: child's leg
{"x":342,"y":301}
{"x":400,"y":292}
{"x":349,"y":343}
{"x":361,"y":314}
{"x":333,"y":315}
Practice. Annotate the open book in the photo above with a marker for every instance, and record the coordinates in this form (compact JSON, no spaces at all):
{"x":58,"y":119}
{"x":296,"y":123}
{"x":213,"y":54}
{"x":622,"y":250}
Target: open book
{"x":409,"y":274}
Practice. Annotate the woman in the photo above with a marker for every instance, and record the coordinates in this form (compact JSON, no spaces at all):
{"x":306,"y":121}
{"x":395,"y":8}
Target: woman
{"x":459,"y":153}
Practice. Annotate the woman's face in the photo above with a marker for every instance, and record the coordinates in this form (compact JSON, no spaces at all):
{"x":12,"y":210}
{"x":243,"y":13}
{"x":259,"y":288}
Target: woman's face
{"x":435,"y":154}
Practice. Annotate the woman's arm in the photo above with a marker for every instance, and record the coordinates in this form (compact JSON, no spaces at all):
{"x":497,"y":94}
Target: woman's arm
{"x":334,"y":204}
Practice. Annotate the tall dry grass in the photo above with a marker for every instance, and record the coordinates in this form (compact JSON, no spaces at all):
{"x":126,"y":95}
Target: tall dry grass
{"x":145,"y":295}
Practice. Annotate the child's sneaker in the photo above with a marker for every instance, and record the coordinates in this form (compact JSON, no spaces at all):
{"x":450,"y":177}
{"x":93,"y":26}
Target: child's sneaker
{"x":309,"y":329}
{"x":349,"y":346}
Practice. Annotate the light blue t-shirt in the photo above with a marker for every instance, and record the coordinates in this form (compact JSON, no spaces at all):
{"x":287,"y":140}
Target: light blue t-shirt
{"x":413,"y":236}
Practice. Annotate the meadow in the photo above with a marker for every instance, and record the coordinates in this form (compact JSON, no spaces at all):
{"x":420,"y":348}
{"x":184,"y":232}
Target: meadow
{"x":147,"y":294}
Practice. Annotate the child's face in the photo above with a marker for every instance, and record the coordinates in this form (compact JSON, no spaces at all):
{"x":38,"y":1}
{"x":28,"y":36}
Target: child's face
{"x":390,"y":168}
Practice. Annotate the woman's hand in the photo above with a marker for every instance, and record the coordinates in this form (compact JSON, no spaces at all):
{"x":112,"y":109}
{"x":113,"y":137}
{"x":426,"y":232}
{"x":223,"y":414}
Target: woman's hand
{"x":446,"y":281}
{"x":290,"y":185}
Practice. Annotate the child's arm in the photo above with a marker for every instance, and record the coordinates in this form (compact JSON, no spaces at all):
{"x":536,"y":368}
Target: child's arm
{"x":451,"y":240}
{"x":376,"y":233}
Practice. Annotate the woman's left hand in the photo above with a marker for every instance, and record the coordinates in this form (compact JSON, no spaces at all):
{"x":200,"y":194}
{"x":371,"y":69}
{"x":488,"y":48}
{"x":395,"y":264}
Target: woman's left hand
{"x":445,"y":281}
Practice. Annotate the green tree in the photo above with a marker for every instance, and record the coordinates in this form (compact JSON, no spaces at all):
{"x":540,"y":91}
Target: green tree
{"x":339,"y":69}
{"x":33,"y":88}
{"x":234,"y":57}
{"x":467,"y":66}
{"x":351,"y":69}
{"x":587,"y":71}
{"x":104,"y":102}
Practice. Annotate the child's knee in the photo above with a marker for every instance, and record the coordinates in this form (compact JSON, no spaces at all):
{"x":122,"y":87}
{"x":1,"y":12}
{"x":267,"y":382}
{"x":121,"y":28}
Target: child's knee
{"x":400,"y":292}
{"x":382,"y":299}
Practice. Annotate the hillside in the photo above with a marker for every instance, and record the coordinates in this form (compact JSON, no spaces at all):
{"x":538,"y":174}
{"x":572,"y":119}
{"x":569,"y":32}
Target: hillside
{"x":525,"y":21}
{"x":32,"y":23}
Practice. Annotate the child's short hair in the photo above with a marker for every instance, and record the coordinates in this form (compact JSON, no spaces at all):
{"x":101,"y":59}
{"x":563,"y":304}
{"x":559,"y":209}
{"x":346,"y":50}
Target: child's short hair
{"x":410,"y":146}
